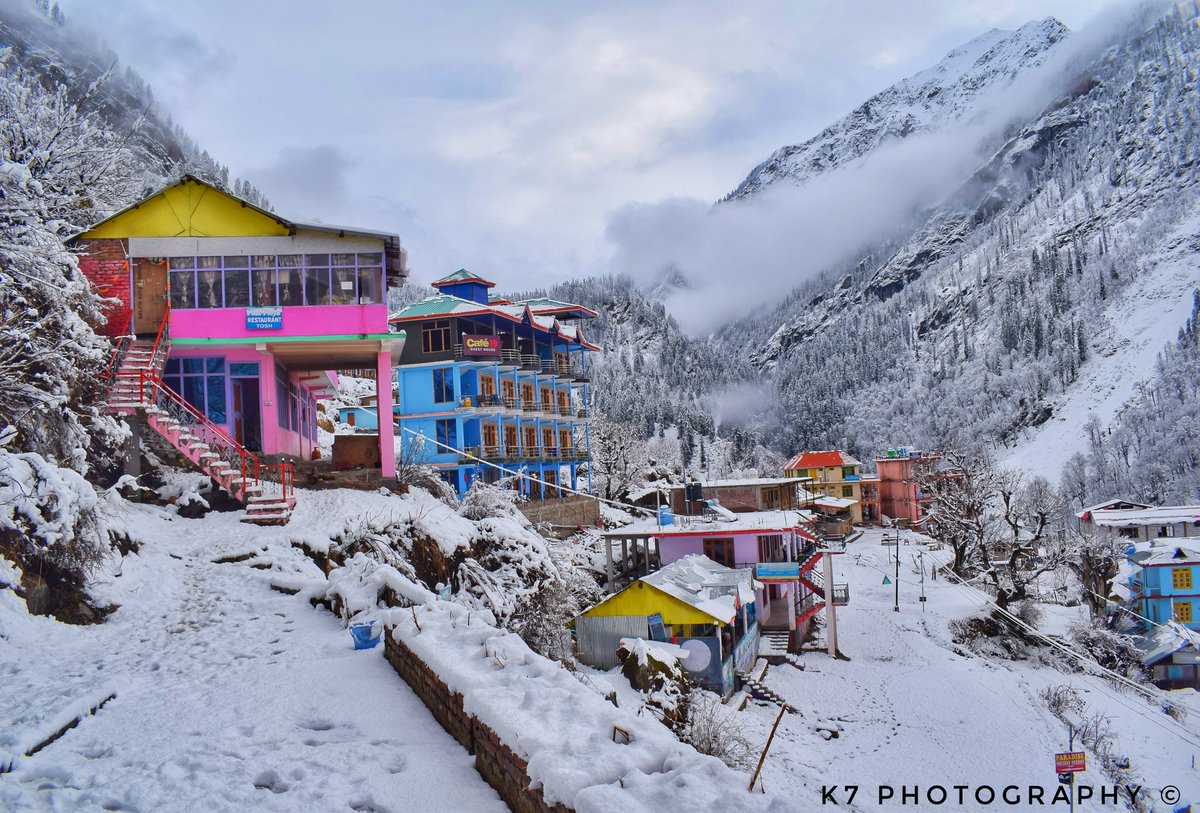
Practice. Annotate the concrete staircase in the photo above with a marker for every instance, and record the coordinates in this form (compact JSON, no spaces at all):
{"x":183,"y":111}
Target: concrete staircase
{"x":760,"y":691}
{"x":773,"y":644}
{"x":136,"y":390}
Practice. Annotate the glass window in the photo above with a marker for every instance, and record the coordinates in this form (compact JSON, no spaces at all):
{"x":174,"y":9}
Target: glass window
{"x":209,"y":289}
{"x":264,"y":293}
{"x":281,"y":396}
{"x":237,"y":288}
{"x":369,"y":286}
{"x":291,"y":289}
{"x":183,"y":289}
{"x":1183,"y":612}
{"x":208,"y":262}
{"x":290,"y":260}
{"x":343,"y":260}
{"x":847,"y":491}
{"x":316,"y":286}
{"x":193,"y":391}
{"x":447,"y":434}
{"x":435,"y":336}
{"x":443,"y":385}
{"x":215,"y":401}
{"x":343,"y":286}
{"x":262,"y":261}
{"x":370,"y":259}
{"x":243,"y":369}
{"x":240,"y":261}
{"x":177,"y":263}
{"x":316,"y":260}
{"x":193,"y":365}
{"x":1181,"y":578}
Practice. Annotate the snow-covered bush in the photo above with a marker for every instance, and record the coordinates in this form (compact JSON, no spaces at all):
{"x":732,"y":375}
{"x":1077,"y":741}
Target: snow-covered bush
{"x":48,"y":514}
{"x":484,"y":500}
{"x":712,"y":728}
{"x":1112,"y":650}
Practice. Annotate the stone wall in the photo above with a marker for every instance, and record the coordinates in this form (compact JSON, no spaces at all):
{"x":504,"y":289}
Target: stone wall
{"x":567,"y":512}
{"x":495,"y":761}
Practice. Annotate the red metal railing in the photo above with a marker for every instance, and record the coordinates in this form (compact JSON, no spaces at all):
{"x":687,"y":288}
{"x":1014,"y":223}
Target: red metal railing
{"x":164,"y":330}
{"x":153,"y":392}
{"x":120,"y":345}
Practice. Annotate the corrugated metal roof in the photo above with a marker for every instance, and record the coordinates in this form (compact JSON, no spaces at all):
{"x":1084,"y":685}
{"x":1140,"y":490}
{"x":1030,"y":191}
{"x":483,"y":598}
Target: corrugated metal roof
{"x":820,"y":460}
{"x":462,"y":275}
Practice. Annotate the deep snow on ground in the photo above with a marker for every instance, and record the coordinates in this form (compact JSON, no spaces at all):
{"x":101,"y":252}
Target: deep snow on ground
{"x":229,"y":696}
{"x":911,"y":711}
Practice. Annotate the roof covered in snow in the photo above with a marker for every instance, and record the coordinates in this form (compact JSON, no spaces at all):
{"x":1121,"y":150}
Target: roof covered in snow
{"x":747,"y":483}
{"x":1165,"y":640}
{"x":711,"y":588}
{"x":766,"y":522}
{"x":1172,"y":552}
{"x":1138,"y":517}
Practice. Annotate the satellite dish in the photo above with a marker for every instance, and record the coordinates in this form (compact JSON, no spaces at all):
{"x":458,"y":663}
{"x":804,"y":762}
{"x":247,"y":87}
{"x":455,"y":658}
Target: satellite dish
{"x":699,"y":656}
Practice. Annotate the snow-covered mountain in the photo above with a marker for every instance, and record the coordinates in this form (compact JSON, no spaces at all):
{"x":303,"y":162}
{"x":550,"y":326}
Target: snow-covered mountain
{"x":954,"y":90}
{"x":1037,"y":295}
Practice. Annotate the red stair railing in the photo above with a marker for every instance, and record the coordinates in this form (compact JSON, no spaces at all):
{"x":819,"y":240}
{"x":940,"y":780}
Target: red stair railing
{"x":120,"y":347}
{"x":153,"y":392}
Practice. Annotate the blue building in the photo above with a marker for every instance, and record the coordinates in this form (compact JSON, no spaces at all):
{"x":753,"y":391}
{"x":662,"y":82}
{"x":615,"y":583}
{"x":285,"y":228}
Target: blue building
{"x":488,"y":387}
{"x":1165,"y":585}
{"x":1163,"y":582}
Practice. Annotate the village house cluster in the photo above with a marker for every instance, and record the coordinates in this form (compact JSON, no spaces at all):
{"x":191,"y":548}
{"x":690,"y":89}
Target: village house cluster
{"x":232,"y":323}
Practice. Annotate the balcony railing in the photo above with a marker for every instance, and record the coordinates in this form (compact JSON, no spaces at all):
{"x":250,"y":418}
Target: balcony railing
{"x":841,"y":595}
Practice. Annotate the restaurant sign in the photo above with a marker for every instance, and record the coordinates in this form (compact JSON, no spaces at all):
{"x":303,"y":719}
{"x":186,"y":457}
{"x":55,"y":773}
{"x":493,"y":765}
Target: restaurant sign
{"x":481,"y":346}
{"x":264,"y":318}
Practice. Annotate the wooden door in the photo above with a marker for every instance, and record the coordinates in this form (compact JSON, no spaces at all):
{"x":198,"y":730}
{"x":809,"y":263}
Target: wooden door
{"x":491,"y":439}
{"x":508,"y":391}
{"x":149,"y":295}
{"x":510,"y":440}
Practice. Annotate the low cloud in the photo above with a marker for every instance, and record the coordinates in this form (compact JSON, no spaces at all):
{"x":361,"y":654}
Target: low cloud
{"x":306,"y":181}
{"x":745,"y":254}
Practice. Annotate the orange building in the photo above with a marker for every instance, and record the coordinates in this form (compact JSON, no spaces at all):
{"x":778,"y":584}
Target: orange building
{"x":900,"y":495}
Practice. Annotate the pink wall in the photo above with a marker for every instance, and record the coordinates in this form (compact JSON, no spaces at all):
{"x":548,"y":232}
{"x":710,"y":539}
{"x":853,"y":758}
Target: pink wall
{"x":314,"y":320}
{"x":275,"y":439}
{"x":745,"y":546}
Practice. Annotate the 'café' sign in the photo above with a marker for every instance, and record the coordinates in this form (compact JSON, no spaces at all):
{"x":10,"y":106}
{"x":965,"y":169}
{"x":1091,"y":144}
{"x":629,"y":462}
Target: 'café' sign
{"x":481,"y":346}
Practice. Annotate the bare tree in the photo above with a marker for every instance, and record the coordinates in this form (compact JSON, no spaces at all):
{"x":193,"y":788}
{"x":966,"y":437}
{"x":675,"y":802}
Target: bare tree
{"x":1025,"y":539}
{"x":618,"y":456}
{"x":1096,"y":558}
{"x":959,"y":489}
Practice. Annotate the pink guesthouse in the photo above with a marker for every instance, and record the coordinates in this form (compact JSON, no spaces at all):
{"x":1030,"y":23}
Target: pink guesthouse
{"x":228,"y":322}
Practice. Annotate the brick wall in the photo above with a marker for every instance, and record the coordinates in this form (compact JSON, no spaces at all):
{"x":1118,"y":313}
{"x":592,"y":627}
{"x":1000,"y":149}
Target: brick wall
{"x":495,"y":761}
{"x":105,"y":263}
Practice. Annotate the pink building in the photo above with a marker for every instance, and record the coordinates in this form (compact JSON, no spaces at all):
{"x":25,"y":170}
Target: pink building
{"x":228,"y":322}
{"x":786,"y":558}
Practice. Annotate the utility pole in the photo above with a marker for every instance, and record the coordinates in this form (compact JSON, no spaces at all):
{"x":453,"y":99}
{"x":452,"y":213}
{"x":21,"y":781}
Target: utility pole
{"x":896,"y":582}
{"x":922,"y":555}
{"x":830,"y":608}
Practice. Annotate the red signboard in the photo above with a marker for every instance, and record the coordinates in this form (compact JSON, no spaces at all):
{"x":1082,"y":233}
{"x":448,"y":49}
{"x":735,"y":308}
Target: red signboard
{"x":487,"y":347}
{"x":1070,"y":762}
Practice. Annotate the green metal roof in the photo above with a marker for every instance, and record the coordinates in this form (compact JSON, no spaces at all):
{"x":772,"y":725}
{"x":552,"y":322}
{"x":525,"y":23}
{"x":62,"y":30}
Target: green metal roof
{"x":462,"y":275}
{"x":439,"y":305}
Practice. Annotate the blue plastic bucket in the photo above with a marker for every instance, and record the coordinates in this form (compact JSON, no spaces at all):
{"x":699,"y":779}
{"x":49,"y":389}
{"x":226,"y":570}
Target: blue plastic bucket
{"x":364,"y":636}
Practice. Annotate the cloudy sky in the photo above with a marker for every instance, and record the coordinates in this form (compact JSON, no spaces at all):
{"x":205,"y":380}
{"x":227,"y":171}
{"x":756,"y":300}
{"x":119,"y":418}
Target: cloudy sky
{"x":505,"y":137}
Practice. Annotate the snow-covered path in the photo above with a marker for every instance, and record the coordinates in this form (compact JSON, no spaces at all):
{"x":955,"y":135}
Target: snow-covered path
{"x":911,"y":711}
{"x":228,"y":697}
